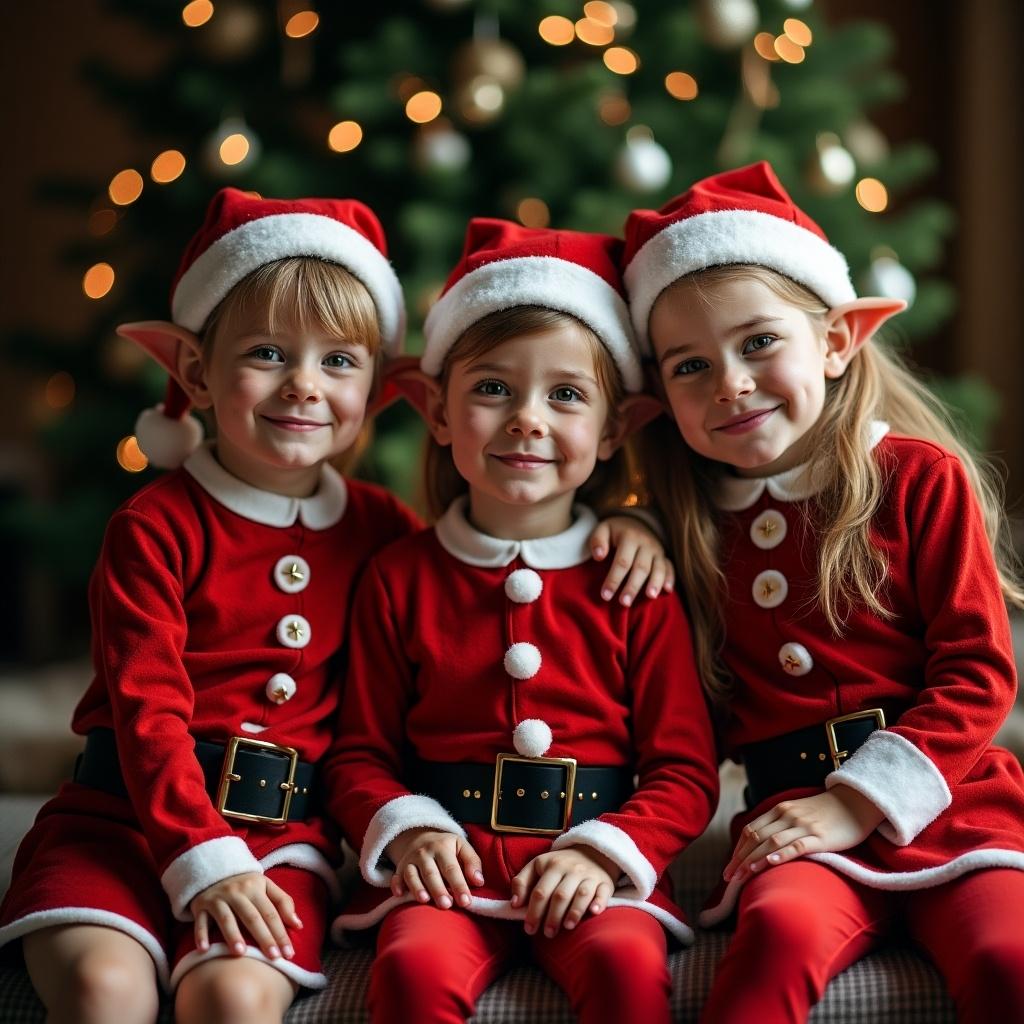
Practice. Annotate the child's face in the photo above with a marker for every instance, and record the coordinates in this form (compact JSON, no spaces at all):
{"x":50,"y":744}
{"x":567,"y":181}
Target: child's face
{"x":527,"y":422}
{"x":284,"y":403}
{"x":744,"y":373}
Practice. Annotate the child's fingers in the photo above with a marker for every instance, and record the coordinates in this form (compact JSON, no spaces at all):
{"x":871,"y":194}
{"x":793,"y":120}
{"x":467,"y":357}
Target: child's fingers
{"x":656,"y":580}
{"x":222,"y":913}
{"x":753,"y":834}
{"x":472,"y":867}
{"x":771,"y":844}
{"x":451,"y":871}
{"x":600,"y":540}
{"x":559,"y":902}
{"x":411,"y":877}
{"x":637,"y":577}
{"x":537,"y":906}
{"x":621,"y":565}
{"x":670,"y":576}
{"x":601,"y":897}
{"x":284,"y":903}
{"x":268,"y":912}
{"x":581,"y":901}
{"x":434,"y":882}
{"x":522,"y":883}
{"x":794,"y":848}
{"x":252,"y":917}
{"x":202,"y":931}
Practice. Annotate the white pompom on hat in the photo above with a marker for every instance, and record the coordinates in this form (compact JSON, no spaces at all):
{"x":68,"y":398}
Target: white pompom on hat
{"x":240,"y":234}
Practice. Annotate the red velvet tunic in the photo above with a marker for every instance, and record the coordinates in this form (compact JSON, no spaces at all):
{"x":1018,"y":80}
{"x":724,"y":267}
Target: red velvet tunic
{"x":218,"y":610}
{"x":435,"y":669}
{"x":943,"y":661}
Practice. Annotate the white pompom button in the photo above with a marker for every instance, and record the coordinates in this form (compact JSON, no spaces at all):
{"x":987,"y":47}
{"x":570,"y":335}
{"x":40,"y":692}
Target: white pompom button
{"x":522,"y":661}
{"x":291,"y":574}
{"x":795,"y":659}
{"x":523,"y":586}
{"x":770,"y":589}
{"x":768,"y":530}
{"x":280,"y":688}
{"x":293,"y":631}
{"x":532,"y":737}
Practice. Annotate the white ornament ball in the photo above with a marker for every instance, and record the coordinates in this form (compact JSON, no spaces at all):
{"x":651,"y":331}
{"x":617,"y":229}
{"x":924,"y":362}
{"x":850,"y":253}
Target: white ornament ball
{"x":868,"y":145}
{"x":643,"y":165}
{"x":532,"y":737}
{"x":728,"y":24}
{"x":832,"y":168}
{"x":889,"y":278}
{"x":522,"y":661}
{"x":167,"y":442}
{"x":442,"y":149}
{"x":523,"y":586}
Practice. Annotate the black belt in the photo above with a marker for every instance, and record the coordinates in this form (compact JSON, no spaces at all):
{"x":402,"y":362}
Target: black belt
{"x":535,"y":795}
{"x":802,"y":758}
{"x":249,"y":780}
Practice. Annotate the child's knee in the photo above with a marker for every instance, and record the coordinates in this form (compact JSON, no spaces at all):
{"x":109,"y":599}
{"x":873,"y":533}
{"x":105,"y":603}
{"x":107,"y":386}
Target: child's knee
{"x":229,"y":989}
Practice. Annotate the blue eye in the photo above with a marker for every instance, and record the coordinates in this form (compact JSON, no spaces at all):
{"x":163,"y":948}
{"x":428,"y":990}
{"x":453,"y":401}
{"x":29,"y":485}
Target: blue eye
{"x":759,"y":342}
{"x":566,"y":394}
{"x":492,"y":388}
{"x":689,"y":366}
{"x":267,"y":353}
{"x":338,"y":361}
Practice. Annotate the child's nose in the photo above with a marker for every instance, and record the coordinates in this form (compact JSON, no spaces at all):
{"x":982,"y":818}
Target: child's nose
{"x":734,"y":383}
{"x":302,"y":386}
{"x":527,"y":421}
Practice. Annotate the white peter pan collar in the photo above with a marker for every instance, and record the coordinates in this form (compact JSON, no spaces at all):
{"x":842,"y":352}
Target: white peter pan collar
{"x":735,"y":493}
{"x":320,"y":510}
{"x":469,"y":545}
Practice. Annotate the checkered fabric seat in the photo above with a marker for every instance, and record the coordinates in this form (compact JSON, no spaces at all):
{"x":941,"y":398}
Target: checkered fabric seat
{"x":896,"y":985}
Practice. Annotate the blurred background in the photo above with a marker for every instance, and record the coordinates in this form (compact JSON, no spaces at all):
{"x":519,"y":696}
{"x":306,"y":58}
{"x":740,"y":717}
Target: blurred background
{"x":895,"y":125}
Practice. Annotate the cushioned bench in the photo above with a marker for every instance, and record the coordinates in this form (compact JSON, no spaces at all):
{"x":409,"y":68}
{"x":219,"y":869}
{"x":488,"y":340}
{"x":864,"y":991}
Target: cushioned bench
{"x":893,"y":985}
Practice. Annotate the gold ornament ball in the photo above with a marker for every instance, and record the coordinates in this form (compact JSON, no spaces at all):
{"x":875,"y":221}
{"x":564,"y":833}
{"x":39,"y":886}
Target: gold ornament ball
{"x":490,"y":58}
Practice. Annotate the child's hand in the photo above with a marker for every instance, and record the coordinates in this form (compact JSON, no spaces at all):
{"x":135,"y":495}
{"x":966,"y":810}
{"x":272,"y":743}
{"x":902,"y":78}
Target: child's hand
{"x":255,"y":901}
{"x":838,"y":819}
{"x":566,"y":884}
{"x":637,"y":552}
{"x":429,"y":863}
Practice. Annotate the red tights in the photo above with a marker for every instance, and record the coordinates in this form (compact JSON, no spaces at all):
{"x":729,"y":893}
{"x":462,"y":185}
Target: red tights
{"x":432,"y":965}
{"x":801,"y":923}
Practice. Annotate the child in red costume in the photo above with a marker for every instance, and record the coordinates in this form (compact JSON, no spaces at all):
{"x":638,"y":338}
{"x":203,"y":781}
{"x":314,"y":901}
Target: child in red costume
{"x":496,"y":709}
{"x":219,"y":607}
{"x":841,"y":550}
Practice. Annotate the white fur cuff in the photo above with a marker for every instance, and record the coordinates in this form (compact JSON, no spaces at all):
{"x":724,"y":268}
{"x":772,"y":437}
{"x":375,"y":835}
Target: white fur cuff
{"x":203,"y":865}
{"x":617,"y":846}
{"x":394,"y":818}
{"x":899,"y":780}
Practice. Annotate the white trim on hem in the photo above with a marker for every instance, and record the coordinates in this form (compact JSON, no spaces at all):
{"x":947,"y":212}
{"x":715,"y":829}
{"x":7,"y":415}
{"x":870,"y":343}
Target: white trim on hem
{"x":219,"y":950}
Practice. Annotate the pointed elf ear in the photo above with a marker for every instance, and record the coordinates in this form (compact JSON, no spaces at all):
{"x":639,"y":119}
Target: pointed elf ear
{"x":168,"y":434}
{"x":403,"y":378}
{"x":850,"y":325}
{"x":634,"y":412}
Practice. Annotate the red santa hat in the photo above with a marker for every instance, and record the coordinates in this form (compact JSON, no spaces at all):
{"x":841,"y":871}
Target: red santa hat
{"x":505,"y":265}
{"x":743,"y":216}
{"x":240,"y":234}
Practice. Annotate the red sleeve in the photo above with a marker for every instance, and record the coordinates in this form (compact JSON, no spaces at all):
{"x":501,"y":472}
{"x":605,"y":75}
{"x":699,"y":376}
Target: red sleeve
{"x":140,"y":633}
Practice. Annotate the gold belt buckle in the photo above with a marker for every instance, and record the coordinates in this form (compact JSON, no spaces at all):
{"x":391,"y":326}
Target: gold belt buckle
{"x":568,"y":763}
{"x":228,"y":775}
{"x":839,"y":756}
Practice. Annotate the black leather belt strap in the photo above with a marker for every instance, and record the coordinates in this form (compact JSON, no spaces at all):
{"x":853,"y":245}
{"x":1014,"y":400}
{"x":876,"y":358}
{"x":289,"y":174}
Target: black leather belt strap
{"x":257,"y":775}
{"x":802,"y":758}
{"x":532,"y":795}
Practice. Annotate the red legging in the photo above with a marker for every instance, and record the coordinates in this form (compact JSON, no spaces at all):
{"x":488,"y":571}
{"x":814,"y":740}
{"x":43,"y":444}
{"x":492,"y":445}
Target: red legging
{"x":432,"y":965}
{"x":801,"y":923}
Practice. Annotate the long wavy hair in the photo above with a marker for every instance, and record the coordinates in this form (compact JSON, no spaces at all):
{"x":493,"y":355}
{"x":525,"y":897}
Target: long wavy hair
{"x":301,"y":294}
{"x":609,"y":484}
{"x":877,"y":385}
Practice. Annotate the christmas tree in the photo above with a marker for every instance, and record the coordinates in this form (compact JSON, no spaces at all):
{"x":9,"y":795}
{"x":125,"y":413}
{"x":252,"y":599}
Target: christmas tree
{"x":543,"y":111}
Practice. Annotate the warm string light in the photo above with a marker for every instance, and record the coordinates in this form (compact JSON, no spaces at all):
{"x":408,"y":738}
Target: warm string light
{"x":601,"y":12}
{"x":130,"y":456}
{"x":102,"y":222}
{"x":556,"y":30}
{"x":423,"y":107}
{"x":233,"y":149}
{"x":168,"y":166}
{"x":621,"y":60}
{"x":790,"y":52}
{"x":98,"y":280}
{"x":594,"y":33}
{"x":125,"y":187}
{"x":613,"y":108}
{"x":533,"y":213}
{"x":345,"y":136}
{"x":798,"y":31}
{"x":872,"y":195}
{"x":59,"y":392}
{"x":301,"y":24}
{"x":681,"y":86}
{"x":197,"y":13}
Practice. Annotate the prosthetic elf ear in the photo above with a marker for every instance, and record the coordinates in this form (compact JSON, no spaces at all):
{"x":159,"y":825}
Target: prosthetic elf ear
{"x":850,"y":325}
{"x":403,"y":378}
{"x":634,"y":412}
{"x":167,"y":434}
